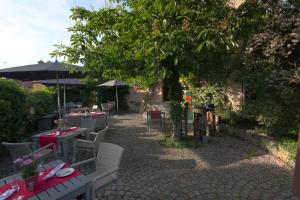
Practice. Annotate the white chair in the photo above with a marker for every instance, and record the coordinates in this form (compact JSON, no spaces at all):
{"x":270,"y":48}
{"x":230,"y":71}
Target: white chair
{"x":90,"y":145}
{"x":107,"y":166}
{"x":105,"y":108}
{"x":95,"y":108}
{"x":18,"y":150}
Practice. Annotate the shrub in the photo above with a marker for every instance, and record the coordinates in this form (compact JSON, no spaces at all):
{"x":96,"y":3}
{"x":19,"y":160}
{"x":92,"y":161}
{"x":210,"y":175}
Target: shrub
{"x":42,"y":102}
{"x":13,"y":110}
{"x":217,"y":93}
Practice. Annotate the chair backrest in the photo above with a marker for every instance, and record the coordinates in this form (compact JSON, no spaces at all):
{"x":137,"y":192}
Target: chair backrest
{"x":95,"y":107}
{"x":108,"y":157}
{"x":104,"y":107}
{"x":100,"y":137}
{"x":18,"y":150}
{"x":111,"y":104}
{"x":155,"y":114}
{"x":89,"y":123}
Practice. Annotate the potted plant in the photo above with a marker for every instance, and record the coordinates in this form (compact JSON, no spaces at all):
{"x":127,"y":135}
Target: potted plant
{"x":61,"y":124}
{"x":28,"y":167}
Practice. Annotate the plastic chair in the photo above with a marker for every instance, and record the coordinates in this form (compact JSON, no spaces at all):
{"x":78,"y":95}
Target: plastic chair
{"x":95,"y":108}
{"x":105,"y":108}
{"x":107,"y":166}
{"x":155,"y":115}
{"x":90,"y":145}
{"x":18,"y":150}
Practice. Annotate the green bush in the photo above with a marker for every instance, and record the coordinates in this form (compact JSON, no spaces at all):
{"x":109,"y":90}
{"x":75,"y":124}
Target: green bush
{"x":217,"y":93}
{"x":13,"y":110}
{"x":42,"y":103}
{"x":105,"y":94}
{"x":242,"y":119}
{"x":42,"y":100}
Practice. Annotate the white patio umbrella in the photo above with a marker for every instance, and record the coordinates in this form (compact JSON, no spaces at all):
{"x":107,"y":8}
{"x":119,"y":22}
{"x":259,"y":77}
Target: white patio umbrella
{"x":114,"y":83}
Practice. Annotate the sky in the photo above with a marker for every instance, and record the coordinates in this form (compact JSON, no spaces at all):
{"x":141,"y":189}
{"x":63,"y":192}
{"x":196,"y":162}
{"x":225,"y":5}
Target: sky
{"x":30,"y":28}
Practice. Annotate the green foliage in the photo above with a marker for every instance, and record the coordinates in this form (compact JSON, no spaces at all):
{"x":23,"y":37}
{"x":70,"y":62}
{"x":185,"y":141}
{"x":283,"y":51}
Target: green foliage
{"x":268,"y":63}
{"x":29,"y":170}
{"x":144,"y":41}
{"x":185,"y":142}
{"x":289,"y":145}
{"x":109,"y":94}
{"x":13,"y":110}
{"x":216,"y":92}
{"x":242,"y":120}
{"x":42,"y":100}
{"x":41,"y":103}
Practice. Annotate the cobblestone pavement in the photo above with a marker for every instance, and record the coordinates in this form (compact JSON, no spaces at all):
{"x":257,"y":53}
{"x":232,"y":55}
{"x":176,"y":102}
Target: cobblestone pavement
{"x":219,"y":170}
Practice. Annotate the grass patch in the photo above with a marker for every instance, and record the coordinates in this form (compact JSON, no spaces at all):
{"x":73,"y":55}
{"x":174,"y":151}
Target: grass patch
{"x":251,"y":153}
{"x":185,"y":142}
{"x":289,"y":145}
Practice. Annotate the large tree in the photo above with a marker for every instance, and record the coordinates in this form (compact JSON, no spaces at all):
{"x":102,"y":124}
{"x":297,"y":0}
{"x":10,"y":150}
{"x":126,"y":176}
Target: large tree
{"x":269,"y":32}
{"x":150,"y":40}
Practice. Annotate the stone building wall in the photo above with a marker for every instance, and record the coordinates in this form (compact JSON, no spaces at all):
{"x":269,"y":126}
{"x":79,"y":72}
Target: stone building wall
{"x":137,"y":96}
{"x":236,"y":3}
{"x":235,"y":93}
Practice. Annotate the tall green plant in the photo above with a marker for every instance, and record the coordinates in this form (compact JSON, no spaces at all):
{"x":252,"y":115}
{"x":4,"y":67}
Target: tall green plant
{"x":151,"y":39}
{"x":13,"y":110}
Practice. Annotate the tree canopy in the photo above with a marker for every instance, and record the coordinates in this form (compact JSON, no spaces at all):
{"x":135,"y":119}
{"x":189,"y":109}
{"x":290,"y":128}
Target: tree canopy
{"x":143,"y":41}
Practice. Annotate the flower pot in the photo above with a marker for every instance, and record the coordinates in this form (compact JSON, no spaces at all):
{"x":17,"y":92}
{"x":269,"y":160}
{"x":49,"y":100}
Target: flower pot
{"x":31,"y":182}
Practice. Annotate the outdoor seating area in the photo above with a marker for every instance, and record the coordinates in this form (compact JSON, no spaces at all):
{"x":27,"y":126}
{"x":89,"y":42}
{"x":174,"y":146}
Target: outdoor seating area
{"x":150,"y":100}
{"x":58,"y":148}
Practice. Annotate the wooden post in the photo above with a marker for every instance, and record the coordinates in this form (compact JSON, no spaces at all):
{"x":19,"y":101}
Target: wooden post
{"x":296,"y":184}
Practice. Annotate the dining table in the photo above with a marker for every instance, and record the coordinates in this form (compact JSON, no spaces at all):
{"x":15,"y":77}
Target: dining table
{"x":62,"y":138}
{"x":58,"y":188}
{"x":74,"y":119}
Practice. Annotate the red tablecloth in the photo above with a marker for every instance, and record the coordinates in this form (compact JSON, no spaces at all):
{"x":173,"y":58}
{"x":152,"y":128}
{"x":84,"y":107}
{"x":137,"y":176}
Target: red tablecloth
{"x":41,"y":186}
{"x":85,"y":114}
{"x":52,"y":137}
{"x":97,"y":113}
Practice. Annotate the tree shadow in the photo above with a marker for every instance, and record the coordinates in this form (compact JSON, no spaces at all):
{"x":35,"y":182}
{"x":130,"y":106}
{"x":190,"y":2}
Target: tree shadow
{"x":219,"y":170}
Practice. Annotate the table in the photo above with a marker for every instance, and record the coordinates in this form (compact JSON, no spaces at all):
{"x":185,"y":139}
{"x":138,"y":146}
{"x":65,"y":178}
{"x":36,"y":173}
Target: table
{"x":62,"y":140}
{"x":74,"y":119}
{"x":67,"y":190}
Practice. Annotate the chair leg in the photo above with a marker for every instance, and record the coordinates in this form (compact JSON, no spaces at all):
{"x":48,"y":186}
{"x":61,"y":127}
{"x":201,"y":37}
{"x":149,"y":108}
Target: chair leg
{"x":74,"y":153}
{"x":161,"y":125}
{"x":117,"y":189}
{"x":94,"y":153}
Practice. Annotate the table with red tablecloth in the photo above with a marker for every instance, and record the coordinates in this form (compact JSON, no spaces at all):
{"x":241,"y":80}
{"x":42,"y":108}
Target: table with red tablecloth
{"x":55,"y":188}
{"x":62,"y":139}
{"x":74,"y":119}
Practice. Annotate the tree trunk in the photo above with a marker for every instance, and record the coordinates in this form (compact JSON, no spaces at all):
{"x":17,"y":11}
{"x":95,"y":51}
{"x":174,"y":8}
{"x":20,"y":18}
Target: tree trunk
{"x":175,"y":96}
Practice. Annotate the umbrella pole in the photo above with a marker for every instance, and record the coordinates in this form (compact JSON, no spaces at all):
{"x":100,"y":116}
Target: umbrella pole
{"x":64,"y":96}
{"x":58,"y":98}
{"x":117,"y":99}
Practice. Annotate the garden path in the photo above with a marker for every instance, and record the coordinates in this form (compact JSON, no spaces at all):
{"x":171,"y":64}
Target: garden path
{"x":219,"y":170}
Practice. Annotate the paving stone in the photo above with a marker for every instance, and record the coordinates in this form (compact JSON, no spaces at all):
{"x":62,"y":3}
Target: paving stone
{"x":219,"y":170}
